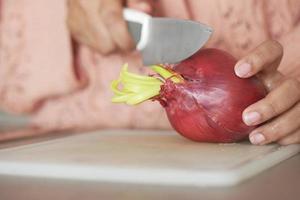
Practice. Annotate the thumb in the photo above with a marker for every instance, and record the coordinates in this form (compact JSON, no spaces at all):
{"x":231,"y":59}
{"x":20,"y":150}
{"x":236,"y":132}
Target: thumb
{"x":141,"y":5}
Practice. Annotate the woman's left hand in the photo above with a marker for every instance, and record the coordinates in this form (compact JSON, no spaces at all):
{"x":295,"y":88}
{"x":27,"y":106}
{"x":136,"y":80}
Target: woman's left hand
{"x":278,"y":114}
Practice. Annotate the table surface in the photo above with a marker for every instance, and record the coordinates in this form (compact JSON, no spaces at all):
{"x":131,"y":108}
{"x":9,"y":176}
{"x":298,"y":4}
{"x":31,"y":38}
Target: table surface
{"x":279,"y":182}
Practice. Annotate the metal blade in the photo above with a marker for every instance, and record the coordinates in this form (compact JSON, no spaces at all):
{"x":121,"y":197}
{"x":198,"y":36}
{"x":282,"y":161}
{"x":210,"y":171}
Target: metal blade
{"x":173,"y":40}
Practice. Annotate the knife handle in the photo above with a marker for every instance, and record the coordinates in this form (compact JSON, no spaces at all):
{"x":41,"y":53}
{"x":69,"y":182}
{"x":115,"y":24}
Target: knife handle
{"x":138,"y":24}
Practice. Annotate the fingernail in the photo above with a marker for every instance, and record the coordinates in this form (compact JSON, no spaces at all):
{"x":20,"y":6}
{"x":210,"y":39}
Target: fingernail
{"x":257,"y":138}
{"x":242,"y":70}
{"x":251,"y":118}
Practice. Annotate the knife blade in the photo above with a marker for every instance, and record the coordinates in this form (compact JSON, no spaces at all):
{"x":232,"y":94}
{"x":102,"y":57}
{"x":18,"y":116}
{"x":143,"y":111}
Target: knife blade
{"x":165,"y":40}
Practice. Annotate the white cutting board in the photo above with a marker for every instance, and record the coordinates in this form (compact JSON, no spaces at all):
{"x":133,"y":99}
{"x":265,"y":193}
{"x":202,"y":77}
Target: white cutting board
{"x":148,"y":157}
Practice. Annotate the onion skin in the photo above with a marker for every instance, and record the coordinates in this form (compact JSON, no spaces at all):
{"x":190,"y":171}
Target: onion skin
{"x":208,"y":105}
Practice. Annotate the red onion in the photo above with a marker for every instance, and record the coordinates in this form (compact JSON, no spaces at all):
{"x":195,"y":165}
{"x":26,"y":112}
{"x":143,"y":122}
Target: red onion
{"x":202,"y":96}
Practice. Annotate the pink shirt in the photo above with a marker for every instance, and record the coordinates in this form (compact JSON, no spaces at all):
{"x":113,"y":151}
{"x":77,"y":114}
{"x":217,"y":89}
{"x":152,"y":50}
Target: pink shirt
{"x":40,"y":74}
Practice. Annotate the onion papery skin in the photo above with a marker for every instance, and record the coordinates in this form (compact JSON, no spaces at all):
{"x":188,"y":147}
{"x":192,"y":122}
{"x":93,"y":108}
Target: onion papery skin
{"x":207,"y":106}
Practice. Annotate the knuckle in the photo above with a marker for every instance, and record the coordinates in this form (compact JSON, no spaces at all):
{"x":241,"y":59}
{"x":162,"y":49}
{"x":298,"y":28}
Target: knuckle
{"x":106,"y":50}
{"x":267,"y":52}
{"x":79,"y":38}
{"x":273,"y":132}
{"x":112,"y":17}
{"x":272,"y":106}
{"x":275,"y":46}
{"x":76,"y":33}
{"x":293,"y":84}
{"x":127,"y":45}
{"x":103,"y":43}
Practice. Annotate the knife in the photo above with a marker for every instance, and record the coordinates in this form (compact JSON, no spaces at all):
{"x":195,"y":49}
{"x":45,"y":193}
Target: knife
{"x":165,"y":40}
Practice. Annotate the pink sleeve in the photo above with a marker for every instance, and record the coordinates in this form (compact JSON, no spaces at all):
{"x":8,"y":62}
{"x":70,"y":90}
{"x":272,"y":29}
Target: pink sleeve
{"x":35,"y":54}
{"x":37,"y":69}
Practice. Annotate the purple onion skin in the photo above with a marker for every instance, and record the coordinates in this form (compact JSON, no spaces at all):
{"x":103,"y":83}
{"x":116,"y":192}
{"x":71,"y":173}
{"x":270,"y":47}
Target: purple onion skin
{"x":208,"y":105}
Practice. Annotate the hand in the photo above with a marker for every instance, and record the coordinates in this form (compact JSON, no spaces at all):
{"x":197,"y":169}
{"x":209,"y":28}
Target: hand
{"x":278,"y":114}
{"x":99,"y":24}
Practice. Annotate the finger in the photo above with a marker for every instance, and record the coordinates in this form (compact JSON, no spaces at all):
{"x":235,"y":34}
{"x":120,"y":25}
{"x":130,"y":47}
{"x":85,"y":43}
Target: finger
{"x":101,"y":38}
{"x":277,"y":128}
{"x":141,"y":5}
{"x":293,"y":138}
{"x":266,"y":56}
{"x":276,"y":102}
{"x":81,"y":37}
{"x":112,"y":16}
{"x":86,"y":28}
{"x":75,"y":23}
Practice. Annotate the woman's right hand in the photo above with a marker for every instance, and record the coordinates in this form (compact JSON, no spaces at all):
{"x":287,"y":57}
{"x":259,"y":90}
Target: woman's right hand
{"x":99,"y":24}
